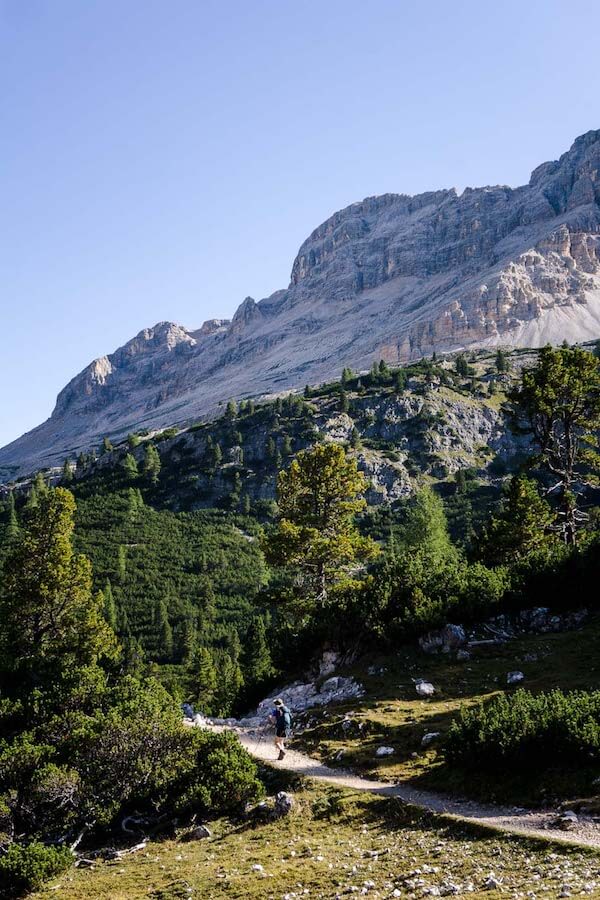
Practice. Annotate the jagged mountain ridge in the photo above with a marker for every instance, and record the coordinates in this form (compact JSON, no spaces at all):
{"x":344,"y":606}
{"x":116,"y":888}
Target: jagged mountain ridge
{"x":393,"y":276}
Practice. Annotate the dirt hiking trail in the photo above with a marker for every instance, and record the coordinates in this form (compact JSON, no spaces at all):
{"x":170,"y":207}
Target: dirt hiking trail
{"x":523,"y":822}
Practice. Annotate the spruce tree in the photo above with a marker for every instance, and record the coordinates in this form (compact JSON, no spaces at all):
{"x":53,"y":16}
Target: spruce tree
{"x":106,"y":446}
{"x":400,"y":381}
{"x":110,"y":607}
{"x":152,"y":463}
{"x":50,"y":622}
{"x":231,"y":410}
{"x":204,"y":679}
{"x":163,"y":630}
{"x":344,"y":403}
{"x":258,"y":662}
{"x":130,"y":466}
{"x":67,"y":473}
{"x":521,"y":526}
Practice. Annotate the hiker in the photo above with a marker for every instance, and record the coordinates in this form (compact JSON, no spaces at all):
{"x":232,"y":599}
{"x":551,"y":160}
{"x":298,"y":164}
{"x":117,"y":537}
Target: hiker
{"x":282,"y":718}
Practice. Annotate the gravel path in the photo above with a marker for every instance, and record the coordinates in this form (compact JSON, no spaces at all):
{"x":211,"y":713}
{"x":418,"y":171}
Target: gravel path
{"x":538,"y":823}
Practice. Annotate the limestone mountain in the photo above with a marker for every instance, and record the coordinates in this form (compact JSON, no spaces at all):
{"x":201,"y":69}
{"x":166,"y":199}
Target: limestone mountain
{"x":393,"y":277}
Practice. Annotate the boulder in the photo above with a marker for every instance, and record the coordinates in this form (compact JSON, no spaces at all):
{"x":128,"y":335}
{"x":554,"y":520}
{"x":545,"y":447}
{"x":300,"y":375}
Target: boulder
{"x":424,"y":689}
{"x":449,"y":638}
{"x":197,"y":834}
{"x":385,"y":751}
{"x":283,"y":804}
{"x":515,"y":678}
{"x":567,"y":820}
{"x":429,"y":738}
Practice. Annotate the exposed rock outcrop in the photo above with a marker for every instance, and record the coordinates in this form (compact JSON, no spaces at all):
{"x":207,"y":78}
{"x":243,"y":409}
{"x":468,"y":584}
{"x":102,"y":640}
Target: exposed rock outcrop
{"x":392,"y":276}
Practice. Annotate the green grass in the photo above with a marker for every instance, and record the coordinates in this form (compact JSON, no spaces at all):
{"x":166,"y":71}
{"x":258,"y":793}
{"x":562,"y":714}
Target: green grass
{"x":332,"y":841}
{"x":392,"y":714}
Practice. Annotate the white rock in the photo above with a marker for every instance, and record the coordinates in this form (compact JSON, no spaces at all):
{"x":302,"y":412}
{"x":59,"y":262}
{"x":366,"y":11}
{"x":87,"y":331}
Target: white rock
{"x":514,"y":677}
{"x":385,"y":751}
{"x":424,"y":689}
{"x":429,"y":738}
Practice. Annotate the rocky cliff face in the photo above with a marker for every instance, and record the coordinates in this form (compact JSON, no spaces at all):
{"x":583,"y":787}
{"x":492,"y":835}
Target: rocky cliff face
{"x":392,"y":276}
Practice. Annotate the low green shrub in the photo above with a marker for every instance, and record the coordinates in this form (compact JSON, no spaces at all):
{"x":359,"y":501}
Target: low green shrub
{"x":531,"y":732}
{"x":25,"y":868}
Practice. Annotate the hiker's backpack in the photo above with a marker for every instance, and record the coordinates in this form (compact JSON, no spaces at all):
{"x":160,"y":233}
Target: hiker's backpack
{"x":287,"y":717}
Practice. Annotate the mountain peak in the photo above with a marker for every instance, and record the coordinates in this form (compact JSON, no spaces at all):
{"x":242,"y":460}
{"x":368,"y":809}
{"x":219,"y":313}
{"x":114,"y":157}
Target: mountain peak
{"x":392,"y":277}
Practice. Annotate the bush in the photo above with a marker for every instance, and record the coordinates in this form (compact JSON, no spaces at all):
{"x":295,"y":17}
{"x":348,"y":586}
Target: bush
{"x":23,"y":869}
{"x":529,"y":731}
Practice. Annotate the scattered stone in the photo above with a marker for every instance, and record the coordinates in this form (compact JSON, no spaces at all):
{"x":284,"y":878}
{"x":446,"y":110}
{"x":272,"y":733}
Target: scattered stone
{"x":515,"y":677}
{"x":284,"y":803}
{"x":567,"y":820}
{"x":257,"y":867}
{"x":429,"y":738}
{"x":384,"y":751}
{"x":447,"y":639}
{"x":424,"y":688}
{"x":492,"y":883}
{"x":463,"y":655}
{"x":197,"y":833}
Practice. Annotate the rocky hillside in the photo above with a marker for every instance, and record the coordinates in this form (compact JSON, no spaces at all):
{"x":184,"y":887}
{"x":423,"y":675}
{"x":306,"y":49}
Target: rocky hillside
{"x":393,"y":277}
{"x":439,"y":422}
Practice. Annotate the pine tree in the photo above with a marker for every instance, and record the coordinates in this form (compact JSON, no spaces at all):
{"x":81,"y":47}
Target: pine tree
{"x":346,"y":377}
{"x":130,"y":466}
{"x":355,"y":441}
{"x":307,"y":391}
{"x":318,"y":498}
{"x":383,"y":368}
{"x":163,"y":630}
{"x":152,"y":463}
{"x":106,"y":446}
{"x":462,"y":366}
{"x":344,"y":404}
{"x":122,"y":561}
{"x":231,"y":410}
{"x":204,"y":679}
{"x":50,"y":621}
{"x":11,"y":530}
{"x":502,"y":362}
{"x":67,"y":473}
{"x":400,"y":381}
{"x":246,"y":506}
{"x":522,"y":525}
{"x":558,"y":404}
{"x":110,"y":607}
{"x":229,"y":681}
{"x":133,"y":441}
{"x":251,"y":407}
{"x":271,"y":448}
{"x":258,"y":663}
{"x":286,"y":447}
{"x":189,"y":640}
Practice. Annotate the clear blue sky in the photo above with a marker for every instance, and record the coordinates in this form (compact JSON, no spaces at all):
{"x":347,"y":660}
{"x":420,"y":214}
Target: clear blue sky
{"x":162,"y":159}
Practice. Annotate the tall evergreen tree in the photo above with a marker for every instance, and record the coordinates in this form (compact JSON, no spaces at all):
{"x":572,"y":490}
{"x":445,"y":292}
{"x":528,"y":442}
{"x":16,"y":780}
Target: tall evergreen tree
{"x":152,"y":463}
{"x":258,"y":662}
{"x":521,"y":526}
{"x":558,"y":404}
{"x":163,"y":630}
{"x":106,"y":446}
{"x":110,"y":607}
{"x":130,"y":466}
{"x":204,"y":679}
{"x":319,"y":497}
{"x":50,"y":621}
{"x":67,"y":473}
